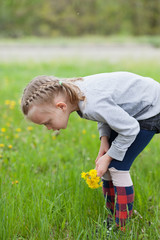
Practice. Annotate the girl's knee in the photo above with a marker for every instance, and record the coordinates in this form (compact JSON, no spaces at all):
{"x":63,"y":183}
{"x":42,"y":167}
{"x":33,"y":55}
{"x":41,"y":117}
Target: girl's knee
{"x":120,"y":178}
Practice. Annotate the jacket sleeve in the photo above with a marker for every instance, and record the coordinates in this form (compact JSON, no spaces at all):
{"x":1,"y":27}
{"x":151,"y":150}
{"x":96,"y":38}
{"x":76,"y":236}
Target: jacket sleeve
{"x":114,"y":117}
{"x":104,"y":129}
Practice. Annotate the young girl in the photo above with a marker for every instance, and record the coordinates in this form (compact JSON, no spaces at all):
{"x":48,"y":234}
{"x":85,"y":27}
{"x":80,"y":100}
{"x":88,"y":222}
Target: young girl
{"x":127,"y":109}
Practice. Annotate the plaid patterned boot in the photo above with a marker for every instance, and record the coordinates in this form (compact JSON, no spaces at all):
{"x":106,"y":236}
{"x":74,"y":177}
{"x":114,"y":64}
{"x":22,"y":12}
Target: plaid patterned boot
{"x":124,"y":196}
{"x":108,"y":191}
{"x":124,"y":205}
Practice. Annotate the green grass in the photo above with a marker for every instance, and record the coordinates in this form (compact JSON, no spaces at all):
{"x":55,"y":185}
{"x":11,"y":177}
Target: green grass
{"x":50,"y":200}
{"x":86,"y":39}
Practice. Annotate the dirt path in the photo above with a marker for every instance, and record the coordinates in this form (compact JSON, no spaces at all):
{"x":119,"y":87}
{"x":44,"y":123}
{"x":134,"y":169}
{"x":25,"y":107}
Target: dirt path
{"x":110,"y":52}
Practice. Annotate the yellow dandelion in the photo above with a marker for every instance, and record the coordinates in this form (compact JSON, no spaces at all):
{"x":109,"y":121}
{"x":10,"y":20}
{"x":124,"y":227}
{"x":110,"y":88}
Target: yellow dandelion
{"x":18,"y":130}
{"x":93,"y":136}
{"x":84,"y":131}
{"x":10,"y":146}
{"x":29,"y":128}
{"x":92,"y":183}
{"x":16,"y":136}
{"x":15,"y":182}
{"x":1,"y":145}
{"x":3,"y":130}
{"x":83,"y":175}
{"x":93,"y":173}
{"x":12,"y":104}
{"x":54,"y":137}
{"x":7,"y":102}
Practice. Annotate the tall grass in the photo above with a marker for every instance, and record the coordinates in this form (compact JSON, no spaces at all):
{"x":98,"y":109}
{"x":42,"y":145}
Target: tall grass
{"x":41,"y":193}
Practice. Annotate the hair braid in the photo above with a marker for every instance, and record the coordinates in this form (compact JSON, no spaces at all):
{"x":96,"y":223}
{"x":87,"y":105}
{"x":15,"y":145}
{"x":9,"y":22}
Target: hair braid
{"x":42,"y":89}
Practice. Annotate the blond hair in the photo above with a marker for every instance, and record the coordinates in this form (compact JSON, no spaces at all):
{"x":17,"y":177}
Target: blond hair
{"x":43,"y":89}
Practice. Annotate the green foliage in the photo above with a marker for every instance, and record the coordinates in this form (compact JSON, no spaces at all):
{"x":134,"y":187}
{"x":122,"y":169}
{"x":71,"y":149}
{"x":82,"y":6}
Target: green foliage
{"x":42,"y":195}
{"x":75,"y":17}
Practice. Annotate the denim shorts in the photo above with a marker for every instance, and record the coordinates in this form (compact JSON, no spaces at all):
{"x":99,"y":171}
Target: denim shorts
{"x":152,"y":124}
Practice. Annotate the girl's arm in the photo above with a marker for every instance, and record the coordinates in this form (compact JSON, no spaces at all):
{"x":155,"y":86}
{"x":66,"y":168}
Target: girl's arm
{"x":104,"y":129}
{"x":108,"y":112}
{"x":103,"y":160}
{"x":103,"y":147}
{"x":102,"y":164}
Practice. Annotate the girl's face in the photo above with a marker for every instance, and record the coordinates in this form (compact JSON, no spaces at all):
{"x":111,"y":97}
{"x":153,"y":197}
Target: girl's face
{"x":53,"y":117}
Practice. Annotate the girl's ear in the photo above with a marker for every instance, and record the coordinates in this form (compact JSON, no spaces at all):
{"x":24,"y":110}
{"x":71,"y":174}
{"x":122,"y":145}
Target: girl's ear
{"x":61,"y":105}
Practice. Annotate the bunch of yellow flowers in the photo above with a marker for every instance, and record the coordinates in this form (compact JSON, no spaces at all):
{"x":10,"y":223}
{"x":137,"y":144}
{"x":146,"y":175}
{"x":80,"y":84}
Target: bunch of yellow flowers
{"x":92,"y":179}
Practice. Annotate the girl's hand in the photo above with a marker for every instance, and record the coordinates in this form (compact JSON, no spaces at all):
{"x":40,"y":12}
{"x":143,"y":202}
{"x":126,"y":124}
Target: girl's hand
{"x":102,"y":165}
{"x":103,"y":148}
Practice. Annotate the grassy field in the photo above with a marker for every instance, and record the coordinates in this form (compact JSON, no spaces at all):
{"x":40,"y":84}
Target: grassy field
{"x":87,"y":39}
{"x":42,"y":195}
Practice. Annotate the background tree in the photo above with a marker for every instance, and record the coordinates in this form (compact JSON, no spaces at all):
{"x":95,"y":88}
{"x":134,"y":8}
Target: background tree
{"x":79,"y":17}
